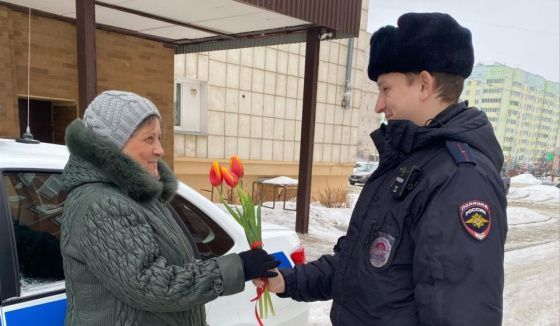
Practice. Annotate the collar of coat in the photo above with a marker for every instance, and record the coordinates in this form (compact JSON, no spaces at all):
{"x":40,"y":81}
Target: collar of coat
{"x":118,"y":168}
{"x":406,"y":137}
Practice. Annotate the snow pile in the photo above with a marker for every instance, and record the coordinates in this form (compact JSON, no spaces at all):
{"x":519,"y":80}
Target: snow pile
{"x":531,"y":293}
{"x":525,"y":179}
{"x":535,"y":194}
{"x":285,"y":181}
{"x":521,"y":215}
{"x":324,"y":223}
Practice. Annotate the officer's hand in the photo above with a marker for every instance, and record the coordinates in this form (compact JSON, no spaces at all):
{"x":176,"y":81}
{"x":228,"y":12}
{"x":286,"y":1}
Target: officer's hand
{"x":275,"y":284}
{"x":257,"y":263}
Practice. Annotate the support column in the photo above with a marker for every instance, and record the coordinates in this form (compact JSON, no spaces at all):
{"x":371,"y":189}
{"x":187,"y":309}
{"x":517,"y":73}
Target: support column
{"x":307,"y":129}
{"x":85,"y":40}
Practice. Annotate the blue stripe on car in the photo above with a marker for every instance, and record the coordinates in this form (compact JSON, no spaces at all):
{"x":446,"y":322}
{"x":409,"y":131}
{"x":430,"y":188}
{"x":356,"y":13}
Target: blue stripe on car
{"x":46,"y":314}
{"x":284,"y":261}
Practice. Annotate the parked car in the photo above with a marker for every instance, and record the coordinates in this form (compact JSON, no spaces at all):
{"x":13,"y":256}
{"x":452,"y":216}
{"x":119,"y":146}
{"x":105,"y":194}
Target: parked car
{"x":32,"y":290}
{"x":362,"y":172}
{"x":358,"y":165}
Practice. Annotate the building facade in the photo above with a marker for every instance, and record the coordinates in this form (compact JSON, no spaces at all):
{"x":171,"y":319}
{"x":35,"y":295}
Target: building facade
{"x":249,"y":102}
{"x":523,"y":108}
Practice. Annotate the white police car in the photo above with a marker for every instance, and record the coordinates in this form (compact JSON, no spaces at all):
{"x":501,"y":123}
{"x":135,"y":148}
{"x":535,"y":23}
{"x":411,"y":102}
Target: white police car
{"x":31,"y":277}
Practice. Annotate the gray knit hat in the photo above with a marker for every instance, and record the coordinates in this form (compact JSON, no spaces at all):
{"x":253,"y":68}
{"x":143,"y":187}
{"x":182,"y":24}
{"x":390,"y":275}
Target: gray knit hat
{"x":115,"y":115}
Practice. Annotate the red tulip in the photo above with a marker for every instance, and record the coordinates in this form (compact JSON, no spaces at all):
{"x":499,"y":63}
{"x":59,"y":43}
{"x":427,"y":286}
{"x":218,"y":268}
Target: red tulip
{"x":216,"y":177}
{"x":236,"y":166}
{"x":229,"y":177}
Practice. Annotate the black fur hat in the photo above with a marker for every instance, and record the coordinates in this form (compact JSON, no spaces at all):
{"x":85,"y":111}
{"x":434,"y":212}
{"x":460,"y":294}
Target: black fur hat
{"x":433,"y":42}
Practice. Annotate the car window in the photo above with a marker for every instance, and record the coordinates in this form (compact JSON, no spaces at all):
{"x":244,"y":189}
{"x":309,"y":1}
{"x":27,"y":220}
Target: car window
{"x":211,"y":240}
{"x":35,"y":202}
{"x":367,"y":168}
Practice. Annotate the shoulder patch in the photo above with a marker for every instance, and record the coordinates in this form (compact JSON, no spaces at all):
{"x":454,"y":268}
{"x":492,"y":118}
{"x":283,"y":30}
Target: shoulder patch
{"x":461,"y":152}
{"x":476,"y":218}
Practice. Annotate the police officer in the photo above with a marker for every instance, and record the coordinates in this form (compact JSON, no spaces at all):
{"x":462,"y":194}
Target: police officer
{"x":425,"y":244}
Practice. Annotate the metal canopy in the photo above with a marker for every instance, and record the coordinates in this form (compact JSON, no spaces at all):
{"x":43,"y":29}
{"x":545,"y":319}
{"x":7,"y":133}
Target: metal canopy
{"x":207,"y":25}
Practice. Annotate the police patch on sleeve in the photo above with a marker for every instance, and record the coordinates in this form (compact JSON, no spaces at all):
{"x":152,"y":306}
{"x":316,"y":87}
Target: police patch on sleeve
{"x":475,"y":216}
{"x":381,"y":249}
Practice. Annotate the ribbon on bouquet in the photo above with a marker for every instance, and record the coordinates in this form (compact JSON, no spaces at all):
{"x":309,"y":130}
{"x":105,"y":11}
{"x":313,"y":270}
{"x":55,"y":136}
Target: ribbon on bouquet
{"x":260,"y":291}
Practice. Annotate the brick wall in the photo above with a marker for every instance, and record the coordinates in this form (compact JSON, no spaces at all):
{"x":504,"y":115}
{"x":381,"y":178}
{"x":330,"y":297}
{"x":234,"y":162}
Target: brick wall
{"x":54,"y":71}
{"x":123,"y":62}
{"x":140,"y":66}
{"x":8,"y":101}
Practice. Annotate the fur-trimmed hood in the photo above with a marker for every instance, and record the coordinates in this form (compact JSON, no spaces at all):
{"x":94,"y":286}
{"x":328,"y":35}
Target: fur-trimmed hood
{"x":94,"y":159}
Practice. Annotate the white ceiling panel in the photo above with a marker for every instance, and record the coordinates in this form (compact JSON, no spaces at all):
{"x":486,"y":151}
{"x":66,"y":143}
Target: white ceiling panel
{"x":124,"y":20}
{"x":189,"y":11}
{"x":261,"y":20}
{"x":227,"y":16}
{"x":176,"y":32}
{"x":58,"y":7}
{"x":114,"y":2}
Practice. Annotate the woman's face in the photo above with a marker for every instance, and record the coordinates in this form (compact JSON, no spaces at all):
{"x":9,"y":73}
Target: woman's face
{"x":145,"y":147}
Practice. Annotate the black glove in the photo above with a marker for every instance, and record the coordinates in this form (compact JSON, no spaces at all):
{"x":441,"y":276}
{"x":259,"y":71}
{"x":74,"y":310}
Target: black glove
{"x":256,"y":264}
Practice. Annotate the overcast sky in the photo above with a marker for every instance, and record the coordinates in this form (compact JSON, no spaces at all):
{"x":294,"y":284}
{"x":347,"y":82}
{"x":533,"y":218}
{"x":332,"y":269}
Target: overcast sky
{"x":523,"y":34}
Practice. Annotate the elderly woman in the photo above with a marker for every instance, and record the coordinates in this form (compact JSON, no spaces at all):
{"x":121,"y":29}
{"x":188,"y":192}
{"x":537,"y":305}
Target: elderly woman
{"x":126,"y":259}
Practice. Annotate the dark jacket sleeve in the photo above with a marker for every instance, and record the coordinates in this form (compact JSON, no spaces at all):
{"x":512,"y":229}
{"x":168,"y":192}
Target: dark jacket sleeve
{"x":458,"y":277}
{"x":312,"y":281}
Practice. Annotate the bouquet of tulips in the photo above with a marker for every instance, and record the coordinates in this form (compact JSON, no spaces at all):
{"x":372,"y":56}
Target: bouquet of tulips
{"x":246,"y":216}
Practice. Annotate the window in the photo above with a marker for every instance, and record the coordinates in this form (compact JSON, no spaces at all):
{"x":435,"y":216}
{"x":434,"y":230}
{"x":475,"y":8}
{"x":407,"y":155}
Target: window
{"x":35,"y":202}
{"x":491,"y":100}
{"x":211,"y":240}
{"x":190,"y":106}
{"x":492,"y":91}
{"x":495,"y":81}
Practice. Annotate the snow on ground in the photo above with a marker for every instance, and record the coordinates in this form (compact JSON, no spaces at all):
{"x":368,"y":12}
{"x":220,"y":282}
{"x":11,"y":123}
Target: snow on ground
{"x":525,"y":179}
{"x":532,"y":291}
{"x":535,"y":194}
{"x":324,"y":223}
{"x":522,"y":215}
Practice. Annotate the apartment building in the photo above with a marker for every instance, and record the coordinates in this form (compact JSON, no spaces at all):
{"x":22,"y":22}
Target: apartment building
{"x":523,"y":108}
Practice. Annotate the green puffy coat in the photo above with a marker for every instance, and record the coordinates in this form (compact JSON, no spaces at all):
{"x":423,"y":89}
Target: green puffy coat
{"x":126,"y":260}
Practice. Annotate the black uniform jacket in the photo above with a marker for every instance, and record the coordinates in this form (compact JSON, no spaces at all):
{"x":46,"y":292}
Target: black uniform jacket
{"x":433,"y":255}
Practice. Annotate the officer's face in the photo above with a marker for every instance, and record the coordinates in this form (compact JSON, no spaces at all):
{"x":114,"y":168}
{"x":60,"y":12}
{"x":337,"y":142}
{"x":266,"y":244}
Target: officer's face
{"x":399,"y":97}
